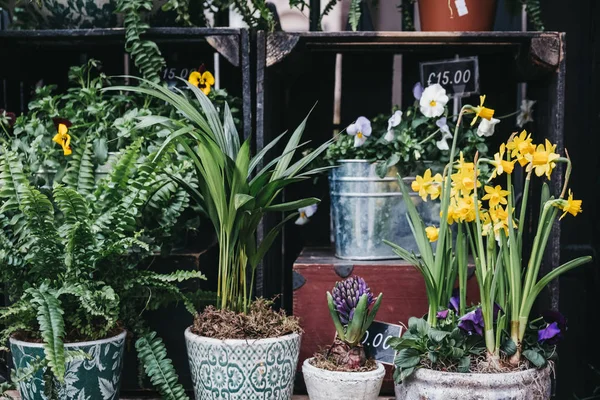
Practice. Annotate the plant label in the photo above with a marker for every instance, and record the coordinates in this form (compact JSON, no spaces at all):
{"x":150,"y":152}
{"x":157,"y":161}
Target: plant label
{"x":459,"y":76}
{"x":375,"y":341}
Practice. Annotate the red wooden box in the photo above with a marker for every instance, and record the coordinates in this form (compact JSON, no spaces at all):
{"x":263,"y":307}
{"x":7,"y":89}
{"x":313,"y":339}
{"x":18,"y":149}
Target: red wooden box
{"x":316,"y":271}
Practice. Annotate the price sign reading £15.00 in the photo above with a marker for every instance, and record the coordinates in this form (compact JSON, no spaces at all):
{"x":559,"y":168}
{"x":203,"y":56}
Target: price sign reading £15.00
{"x":460,"y":76}
{"x":375,"y":341}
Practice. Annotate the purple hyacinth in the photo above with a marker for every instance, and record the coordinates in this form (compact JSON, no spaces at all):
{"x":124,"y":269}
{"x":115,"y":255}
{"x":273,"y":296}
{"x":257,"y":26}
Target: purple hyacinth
{"x":472,"y":322}
{"x":346,"y":295}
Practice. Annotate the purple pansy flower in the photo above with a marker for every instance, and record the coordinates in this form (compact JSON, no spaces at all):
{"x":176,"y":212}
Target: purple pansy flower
{"x":346,"y":295}
{"x":497,"y":310}
{"x":442,"y":314}
{"x":454,"y":300}
{"x":418,"y":91}
{"x":472,"y":322}
{"x":553,"y":332}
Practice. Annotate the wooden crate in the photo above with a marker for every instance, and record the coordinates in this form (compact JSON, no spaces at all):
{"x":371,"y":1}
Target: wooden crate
{"x":316,"y":271}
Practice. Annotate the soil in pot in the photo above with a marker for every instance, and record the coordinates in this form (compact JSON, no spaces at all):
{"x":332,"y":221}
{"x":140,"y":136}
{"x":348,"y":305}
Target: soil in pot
{"x":96,"y":377}
{"x":242,"y":356}
{"x":461,"y":15}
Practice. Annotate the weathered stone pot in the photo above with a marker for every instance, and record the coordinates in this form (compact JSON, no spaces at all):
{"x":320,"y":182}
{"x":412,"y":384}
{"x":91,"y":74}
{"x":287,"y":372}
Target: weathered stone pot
{"x":236,"y":369}
{"x":333,"y":385}
{"x":426,"y":384}
{"x":96,"y":377}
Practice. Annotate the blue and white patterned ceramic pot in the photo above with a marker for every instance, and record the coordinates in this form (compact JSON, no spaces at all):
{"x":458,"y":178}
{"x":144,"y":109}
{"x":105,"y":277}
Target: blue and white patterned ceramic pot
{"x":95,"y":377}
{"x":236,"y":369}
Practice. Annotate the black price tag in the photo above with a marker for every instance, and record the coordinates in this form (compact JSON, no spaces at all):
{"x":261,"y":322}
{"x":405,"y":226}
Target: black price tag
{"x":375,"y":340}
{"x":460,"y":76}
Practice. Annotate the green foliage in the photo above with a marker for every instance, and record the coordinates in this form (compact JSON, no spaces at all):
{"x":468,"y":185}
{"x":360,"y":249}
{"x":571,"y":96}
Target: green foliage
{"x":354,"y":14}
{"x":153,"y":355}
{"x":234,"y":198}
{"x":55,"y":14}
{"x":423,"y":345}
{"x":79,"y":251}
{"x":145,"y":53}
{"x":413,"y":148}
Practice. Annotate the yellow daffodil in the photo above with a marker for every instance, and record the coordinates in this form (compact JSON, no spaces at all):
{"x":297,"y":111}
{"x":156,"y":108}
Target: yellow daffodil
{"x":500,"y":164}
{"x":463,"y":182}
{"x":520,"y":146}
{"x":486,"y":223}
{"x":427,"y":185}
{"x":62,"y":136}
{"x":462,"y":165}
{"x":495,"y":195}
{"x":499,"y":218}
{"x":570,"y":206}
{"x":481,"y":111}
{"x":465,"y":209}
{"x":543,"y":159}
{"x":202,"y":79}
{"x":432,"y":233}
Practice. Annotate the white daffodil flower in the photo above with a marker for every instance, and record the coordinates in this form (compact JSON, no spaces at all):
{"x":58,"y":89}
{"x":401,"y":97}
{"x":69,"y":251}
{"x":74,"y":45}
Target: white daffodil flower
{"x":486,"y":128}
{"x":526,"y":114}
{"x":305,"y":214}
{"x":442,"y":144}
{"x":393,"y":122}
{"x":433,"y":100}
{"x":361,"y":130}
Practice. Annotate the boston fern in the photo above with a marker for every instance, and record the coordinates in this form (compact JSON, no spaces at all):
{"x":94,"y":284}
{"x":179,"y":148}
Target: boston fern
{"x":72,"y":256}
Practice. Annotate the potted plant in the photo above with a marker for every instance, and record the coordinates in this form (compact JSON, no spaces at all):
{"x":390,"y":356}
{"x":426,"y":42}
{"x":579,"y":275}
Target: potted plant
{"x":76,"y":292}
{"x":366,"y":202}
{"x":498,"y":348}
{"x":241,"y":348}
{"x":343,"y":371}
{"x":466,"y":15}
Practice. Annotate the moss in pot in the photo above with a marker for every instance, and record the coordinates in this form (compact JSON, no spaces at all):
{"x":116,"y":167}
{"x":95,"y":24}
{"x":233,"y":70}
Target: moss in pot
{"x":343,"y":369}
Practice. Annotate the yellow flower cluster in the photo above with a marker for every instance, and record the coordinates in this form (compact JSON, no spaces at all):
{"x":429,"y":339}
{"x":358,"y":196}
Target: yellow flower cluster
{"x":494,"y":216}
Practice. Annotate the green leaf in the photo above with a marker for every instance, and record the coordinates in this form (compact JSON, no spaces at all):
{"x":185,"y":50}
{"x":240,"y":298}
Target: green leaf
{"x":464,"y":365}
{"x":405,"y":373}
{"x":437,"y":335}
{"x":335,"y":317}
{"x":535,"y":358}
{"x":292,"y":205}
{"x":153,"y":356}
{"x":509,"y":347}
{"x":407,"y":358}
{"x":241,"y":199}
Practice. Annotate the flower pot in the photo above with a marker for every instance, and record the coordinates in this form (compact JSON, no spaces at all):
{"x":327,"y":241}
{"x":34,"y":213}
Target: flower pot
{"x":435,"y":15}
{"x":243,"y":369}
{"x":333,"y":385}
{"x":95,"y":378}
{"x":366,"y":209}
{"x":436,"y":385}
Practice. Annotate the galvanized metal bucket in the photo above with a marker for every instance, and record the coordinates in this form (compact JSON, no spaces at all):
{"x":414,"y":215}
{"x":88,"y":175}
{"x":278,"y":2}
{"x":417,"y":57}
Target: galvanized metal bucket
{"x":366,"y":209}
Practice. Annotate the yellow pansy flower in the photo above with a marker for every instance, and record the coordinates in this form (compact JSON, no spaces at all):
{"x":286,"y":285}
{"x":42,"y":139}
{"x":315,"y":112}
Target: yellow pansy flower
{"x":62,"y":136}
{"x":500,"y":164}
{"x":520,"y":146}
{"x":427,"y":185}
{"x":202,"y":79}
{"x":433,"y":233}
{"x":495,"y":195}
{"x":542,"y":161}
{"x":570,"y":206}
{"x":481,"y":111}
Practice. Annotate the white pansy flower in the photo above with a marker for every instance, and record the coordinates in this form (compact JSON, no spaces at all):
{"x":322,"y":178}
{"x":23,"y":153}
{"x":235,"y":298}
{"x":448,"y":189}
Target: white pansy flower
{"x":361,"y":130}
{"x":393,"y":122}
{"x":442,"y":144}
{"x":433,"y":100}
{"x":305,"y":214}
{"x":486,"y":128}
{"x":526,"y":114}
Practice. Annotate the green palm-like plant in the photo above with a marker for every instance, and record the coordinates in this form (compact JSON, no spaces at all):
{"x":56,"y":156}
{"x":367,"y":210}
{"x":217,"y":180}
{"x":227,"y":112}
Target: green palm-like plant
{"x":232,"y":190}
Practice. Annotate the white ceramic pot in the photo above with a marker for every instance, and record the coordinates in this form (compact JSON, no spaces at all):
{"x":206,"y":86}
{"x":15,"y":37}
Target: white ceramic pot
{"x":333,"y":385}
{"x":427,"y":384}
{"x":237,"y":369}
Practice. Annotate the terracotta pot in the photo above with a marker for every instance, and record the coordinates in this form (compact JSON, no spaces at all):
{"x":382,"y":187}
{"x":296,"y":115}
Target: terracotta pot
{"x":435,"y":15}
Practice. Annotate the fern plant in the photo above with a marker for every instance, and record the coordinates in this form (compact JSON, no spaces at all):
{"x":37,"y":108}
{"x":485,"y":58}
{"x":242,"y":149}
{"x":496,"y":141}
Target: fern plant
{"x":78,"y":251}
